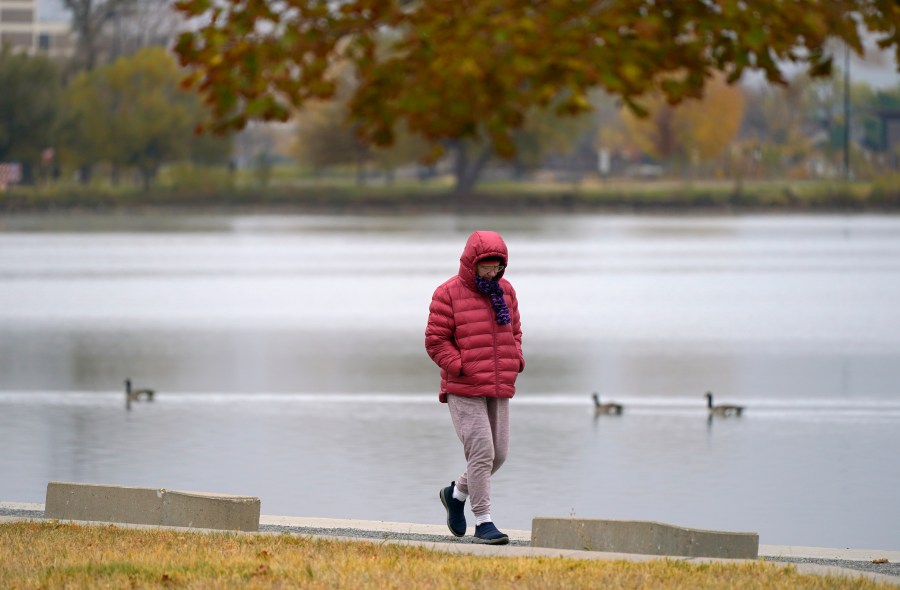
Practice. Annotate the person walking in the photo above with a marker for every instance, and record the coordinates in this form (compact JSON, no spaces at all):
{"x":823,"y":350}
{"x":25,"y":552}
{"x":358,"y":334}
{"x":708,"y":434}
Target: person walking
{"x":475,"y":336}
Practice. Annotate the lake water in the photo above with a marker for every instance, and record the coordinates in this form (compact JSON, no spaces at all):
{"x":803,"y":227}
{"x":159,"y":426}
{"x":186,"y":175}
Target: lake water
{"x":287,"y":353}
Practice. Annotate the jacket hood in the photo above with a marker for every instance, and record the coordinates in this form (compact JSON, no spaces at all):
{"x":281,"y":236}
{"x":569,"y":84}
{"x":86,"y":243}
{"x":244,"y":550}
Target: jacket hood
{"x":481,"y":244}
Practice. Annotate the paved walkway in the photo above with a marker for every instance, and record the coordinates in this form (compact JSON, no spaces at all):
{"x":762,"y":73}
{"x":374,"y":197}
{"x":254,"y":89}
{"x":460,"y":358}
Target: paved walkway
{"x":807,"y":560}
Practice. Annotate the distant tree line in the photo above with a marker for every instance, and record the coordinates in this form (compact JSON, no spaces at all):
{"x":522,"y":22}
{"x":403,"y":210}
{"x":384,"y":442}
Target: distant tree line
{"x":468,"y":78}
{"x":745,"y":131}
{"x":565,"y":89}
{"x":115,"y":106}
{"x":128,"y":117}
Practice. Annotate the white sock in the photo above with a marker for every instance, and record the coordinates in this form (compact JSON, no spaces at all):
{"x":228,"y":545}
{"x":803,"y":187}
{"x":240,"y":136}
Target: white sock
{"x":458,"y":495}
{"x":482,"y":519}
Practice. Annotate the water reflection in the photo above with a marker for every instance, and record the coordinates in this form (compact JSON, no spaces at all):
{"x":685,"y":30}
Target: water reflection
{"x":206,"y":360}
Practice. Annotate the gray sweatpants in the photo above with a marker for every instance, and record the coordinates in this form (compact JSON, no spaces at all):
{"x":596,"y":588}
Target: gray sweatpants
{"x":482,"y":424}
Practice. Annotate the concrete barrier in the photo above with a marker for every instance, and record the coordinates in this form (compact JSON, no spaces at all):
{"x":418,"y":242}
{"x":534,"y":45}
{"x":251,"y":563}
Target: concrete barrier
{"x":107,"y":503}
{"x":644,"y":537}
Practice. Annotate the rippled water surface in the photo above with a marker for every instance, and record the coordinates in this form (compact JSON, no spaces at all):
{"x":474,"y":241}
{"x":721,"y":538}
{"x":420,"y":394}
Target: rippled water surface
{"x":288,"y":357}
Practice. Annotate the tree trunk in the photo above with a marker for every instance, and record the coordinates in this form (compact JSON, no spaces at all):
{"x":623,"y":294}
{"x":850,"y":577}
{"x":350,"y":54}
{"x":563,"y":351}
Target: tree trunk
{"x":360,"y":171}
{"x":467,"y":170}
{"x":148,"y":173}
{"x":85,"y":173}
{"x":89,"y":18}
{"x":28,"y":173}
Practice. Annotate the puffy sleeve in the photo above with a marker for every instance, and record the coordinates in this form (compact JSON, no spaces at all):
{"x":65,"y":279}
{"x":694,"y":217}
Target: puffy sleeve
{"x":440,"y":333}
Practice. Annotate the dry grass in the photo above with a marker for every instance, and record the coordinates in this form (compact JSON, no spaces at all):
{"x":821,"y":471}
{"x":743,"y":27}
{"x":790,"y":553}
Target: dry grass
{"x":52,"y":555}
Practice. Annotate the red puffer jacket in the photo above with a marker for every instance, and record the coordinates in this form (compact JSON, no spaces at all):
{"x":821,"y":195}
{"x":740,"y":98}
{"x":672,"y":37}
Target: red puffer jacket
{"x":477,"y":357}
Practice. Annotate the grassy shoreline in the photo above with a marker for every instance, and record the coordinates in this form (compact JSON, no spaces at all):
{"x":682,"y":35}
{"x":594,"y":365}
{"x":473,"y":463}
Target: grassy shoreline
{"x":57,"y":555}
{"x":882,"y":196}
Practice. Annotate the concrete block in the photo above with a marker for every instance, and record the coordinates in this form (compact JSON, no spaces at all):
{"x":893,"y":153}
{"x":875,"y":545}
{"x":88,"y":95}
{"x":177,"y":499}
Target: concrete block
{"x":210,"y":511}
{"x":643,"y":537}
{"x":160,"y":507}
{"x":76,"y":501}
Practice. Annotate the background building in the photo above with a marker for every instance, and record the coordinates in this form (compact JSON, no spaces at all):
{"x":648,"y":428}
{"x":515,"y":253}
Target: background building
{"x":22,"y":27}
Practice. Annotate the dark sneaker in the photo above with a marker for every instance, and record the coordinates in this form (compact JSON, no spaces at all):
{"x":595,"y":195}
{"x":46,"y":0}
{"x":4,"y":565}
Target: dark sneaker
{"x":487,"y":533}
{"x":456,"y":515}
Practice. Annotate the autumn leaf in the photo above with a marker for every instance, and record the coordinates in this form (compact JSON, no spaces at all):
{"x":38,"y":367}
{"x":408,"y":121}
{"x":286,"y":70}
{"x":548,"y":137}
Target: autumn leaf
{"x":448,"y":70}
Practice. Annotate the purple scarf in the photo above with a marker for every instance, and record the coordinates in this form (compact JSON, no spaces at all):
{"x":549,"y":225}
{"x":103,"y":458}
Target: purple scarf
{"x":493,"y":288}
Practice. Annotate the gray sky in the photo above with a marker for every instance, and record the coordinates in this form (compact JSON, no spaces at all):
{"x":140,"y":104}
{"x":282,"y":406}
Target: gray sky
{"x":880,"y":74}
{"x":51,"y":11}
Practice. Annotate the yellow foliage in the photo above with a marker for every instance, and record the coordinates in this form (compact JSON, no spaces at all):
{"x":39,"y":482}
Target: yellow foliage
{"x":696,"y":130}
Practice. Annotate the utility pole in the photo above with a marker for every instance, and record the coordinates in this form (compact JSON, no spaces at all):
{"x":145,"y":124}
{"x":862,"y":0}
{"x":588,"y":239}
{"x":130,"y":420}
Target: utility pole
{"x":846,"y":112}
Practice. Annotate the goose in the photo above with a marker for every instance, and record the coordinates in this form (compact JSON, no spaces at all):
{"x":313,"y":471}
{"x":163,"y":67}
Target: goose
{"x":136,"y":394}
{"x":722,"y":409}
{"x":607,"y":408}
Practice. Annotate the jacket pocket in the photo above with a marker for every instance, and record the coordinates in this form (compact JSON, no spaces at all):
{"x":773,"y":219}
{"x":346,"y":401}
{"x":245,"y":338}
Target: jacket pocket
{"x":466,"y":363}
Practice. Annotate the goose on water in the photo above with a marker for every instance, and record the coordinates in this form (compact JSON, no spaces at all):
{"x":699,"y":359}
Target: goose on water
{"x":134,"y":395}
{"x":607,"y":408}
{"x":722,"y":409}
